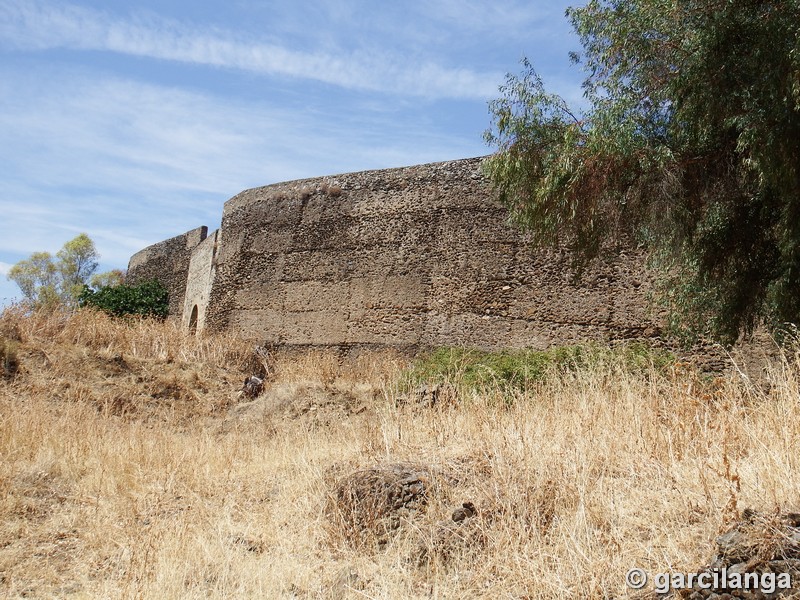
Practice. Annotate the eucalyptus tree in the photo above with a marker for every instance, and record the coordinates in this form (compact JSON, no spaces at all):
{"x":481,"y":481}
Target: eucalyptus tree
{"x":689,"y":143}
{"x":47,"y":281}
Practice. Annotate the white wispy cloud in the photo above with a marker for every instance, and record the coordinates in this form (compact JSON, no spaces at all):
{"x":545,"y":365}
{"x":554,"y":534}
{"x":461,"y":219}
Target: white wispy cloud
{"x":517,"y":19}
{"x":33,"y":25}
{"x":131,"y":162}
{"x":5,"y":268}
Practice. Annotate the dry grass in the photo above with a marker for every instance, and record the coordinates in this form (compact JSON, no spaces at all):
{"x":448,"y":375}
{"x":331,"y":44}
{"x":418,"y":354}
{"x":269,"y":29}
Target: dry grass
{"x":126,"y":472}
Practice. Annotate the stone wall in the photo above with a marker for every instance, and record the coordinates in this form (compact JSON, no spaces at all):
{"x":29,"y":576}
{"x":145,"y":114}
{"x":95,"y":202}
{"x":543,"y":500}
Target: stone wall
{"x":202,"y":268}
{"x":411,"y":257}
{"x":167,"y":262}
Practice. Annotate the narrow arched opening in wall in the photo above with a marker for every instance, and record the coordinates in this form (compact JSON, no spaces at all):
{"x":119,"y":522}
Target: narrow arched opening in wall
{"x":193,"y":321}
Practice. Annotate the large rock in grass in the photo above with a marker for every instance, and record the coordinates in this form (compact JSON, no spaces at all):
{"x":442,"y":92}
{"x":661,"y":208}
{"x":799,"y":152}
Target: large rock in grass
{"x":369,"y":505}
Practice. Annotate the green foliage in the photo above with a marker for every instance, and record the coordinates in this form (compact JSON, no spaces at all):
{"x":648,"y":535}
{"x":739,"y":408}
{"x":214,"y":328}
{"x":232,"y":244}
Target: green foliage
{"x":107,"y":279}
{"x":690,"y":145}
{"x":149,"y":299}
{"x":37,"y":278}
{"x":47,"y":281}
{"x":478,"y":370}
{"x":77,"y":261}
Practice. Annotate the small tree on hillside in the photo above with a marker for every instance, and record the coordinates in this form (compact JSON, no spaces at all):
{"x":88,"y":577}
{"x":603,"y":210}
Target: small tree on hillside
{"x":46,"y":281}
{"x":77,"y":262}
{"x":37,"y":278}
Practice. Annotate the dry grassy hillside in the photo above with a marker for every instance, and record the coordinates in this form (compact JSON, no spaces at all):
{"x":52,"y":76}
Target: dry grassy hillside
{"x":130,"y":467}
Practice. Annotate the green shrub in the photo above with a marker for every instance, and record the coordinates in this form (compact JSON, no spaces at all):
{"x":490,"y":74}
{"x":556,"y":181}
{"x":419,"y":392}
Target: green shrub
{"x":517,"y":369}
{"x":149,"y":299}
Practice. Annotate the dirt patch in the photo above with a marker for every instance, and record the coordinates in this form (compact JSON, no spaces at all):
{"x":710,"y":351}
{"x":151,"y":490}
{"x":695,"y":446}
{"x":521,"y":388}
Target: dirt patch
{"x":9,"y":363}
{"x":36,"y":493}
{"x":126,"y":386}
{"x":313,"y":402}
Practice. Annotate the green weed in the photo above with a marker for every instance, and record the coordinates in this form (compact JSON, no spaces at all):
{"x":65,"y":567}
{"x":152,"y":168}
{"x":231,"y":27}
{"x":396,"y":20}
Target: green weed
{"x":476,"y":370}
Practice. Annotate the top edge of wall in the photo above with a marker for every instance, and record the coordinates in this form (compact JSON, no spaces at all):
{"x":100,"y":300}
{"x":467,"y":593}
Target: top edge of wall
{"x":462,"y":165}
{"x":191,"y":237}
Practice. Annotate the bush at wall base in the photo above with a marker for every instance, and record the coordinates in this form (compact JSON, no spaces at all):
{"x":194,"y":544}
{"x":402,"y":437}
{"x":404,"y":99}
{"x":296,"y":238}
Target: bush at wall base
{"x":149,"y":298}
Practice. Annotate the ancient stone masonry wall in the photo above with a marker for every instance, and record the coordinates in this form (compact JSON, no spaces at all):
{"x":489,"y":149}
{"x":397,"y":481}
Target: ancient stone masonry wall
{"x":412,"y":257}
{"x":167,"y":262}
{"x":202,"y":268}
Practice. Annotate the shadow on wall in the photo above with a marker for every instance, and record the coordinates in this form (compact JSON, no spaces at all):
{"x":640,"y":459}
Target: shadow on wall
{"x":193,"y":321}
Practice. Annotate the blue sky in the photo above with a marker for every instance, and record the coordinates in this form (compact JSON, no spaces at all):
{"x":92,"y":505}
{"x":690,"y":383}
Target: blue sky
{"x":135,"y":121}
